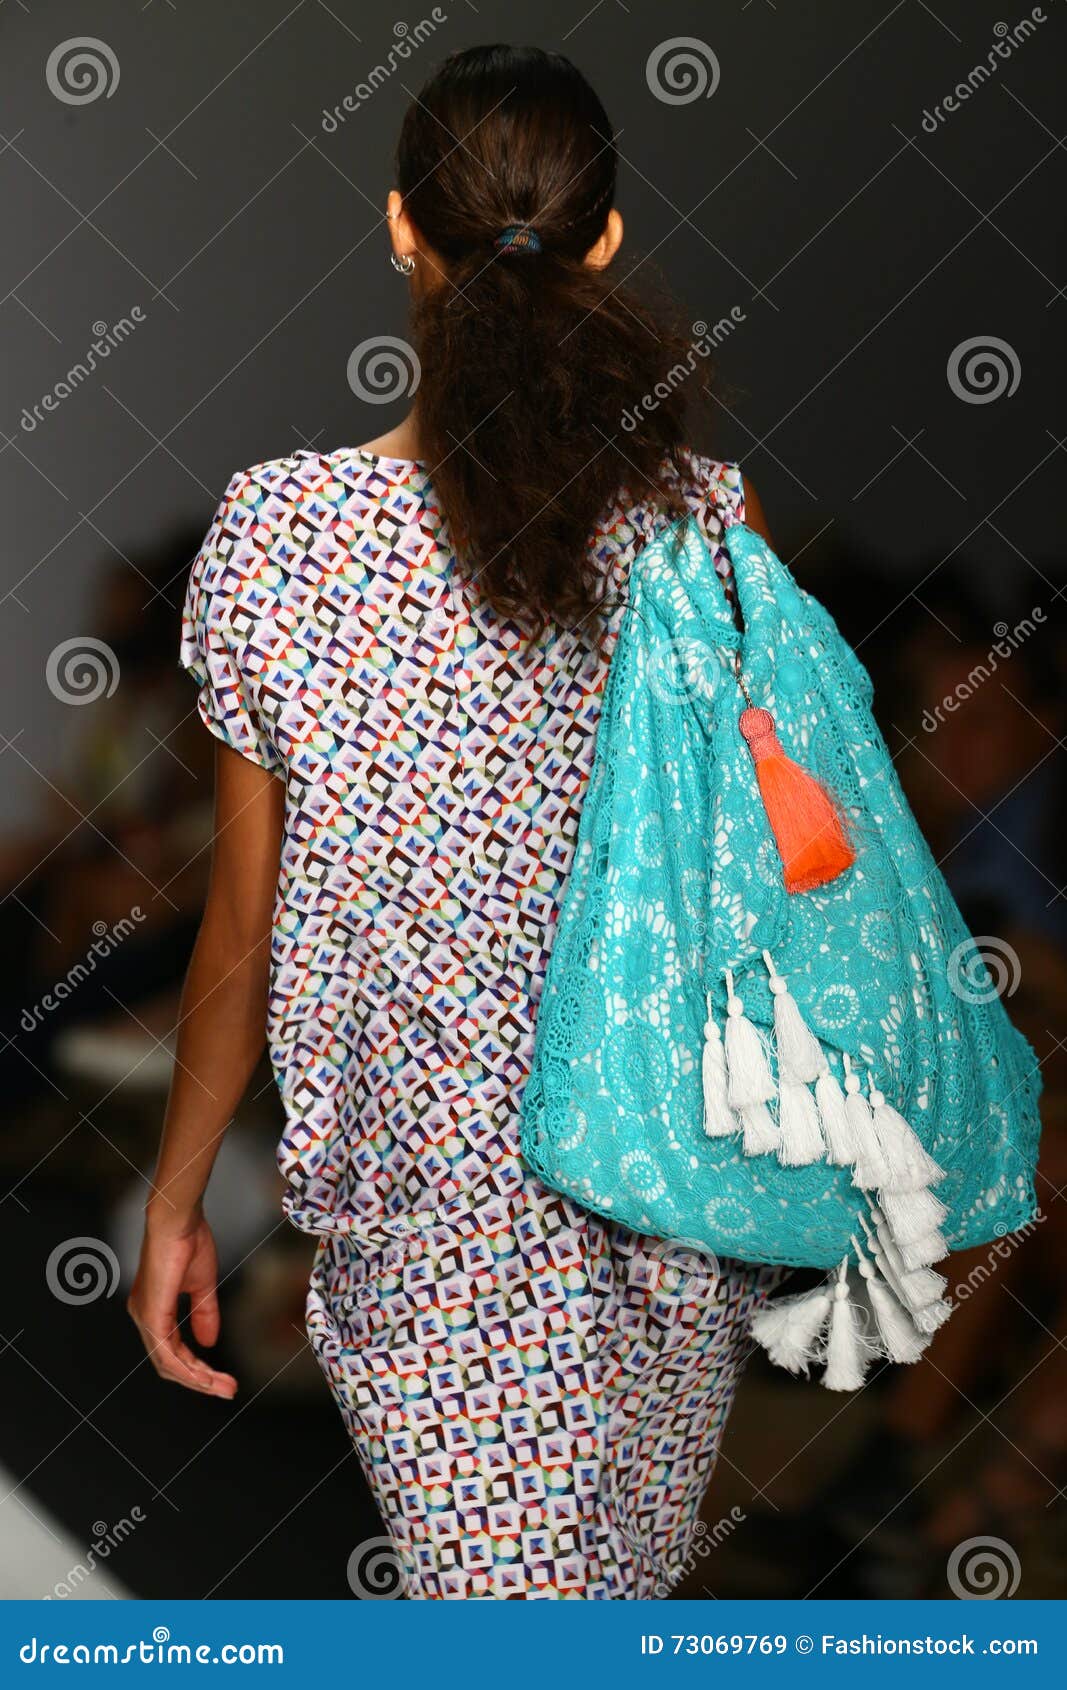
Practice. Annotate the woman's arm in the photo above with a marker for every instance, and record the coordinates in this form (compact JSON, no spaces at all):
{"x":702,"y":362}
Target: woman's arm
{"x":220,"y":1039}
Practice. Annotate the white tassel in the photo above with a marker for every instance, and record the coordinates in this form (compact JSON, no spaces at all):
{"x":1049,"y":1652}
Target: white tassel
{"x":800,"y":1055}
{"x":833,"y":1116}
{"x":909,"y":1167}
{"x":911,"y":1215}
{"x":922,"y":1252}
{"x":719,"y":1120}
{"x":916,"y":1254}
{"x":922,"y":1286}
{"x":930,"y":1318}
{"x":789,"y":1328}
{"x":870,"y":1171}
{"x":916,"y":1288}
{"x":750,"y":1084}
{"x":900,"y":1341}
{"x":760,"y":1135}
{"x":913,"y":1280}
{"x":798,"y":1126}
{"x":749,"y":1075}
{"x":847,"y":1352}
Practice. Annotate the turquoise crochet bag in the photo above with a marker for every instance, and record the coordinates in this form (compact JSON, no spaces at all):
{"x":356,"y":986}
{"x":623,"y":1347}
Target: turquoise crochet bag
{"x":777,"y":1075}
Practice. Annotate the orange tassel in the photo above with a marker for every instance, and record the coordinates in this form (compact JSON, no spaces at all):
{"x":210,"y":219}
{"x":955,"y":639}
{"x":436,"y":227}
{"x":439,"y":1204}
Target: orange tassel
{"x":806,"y":824}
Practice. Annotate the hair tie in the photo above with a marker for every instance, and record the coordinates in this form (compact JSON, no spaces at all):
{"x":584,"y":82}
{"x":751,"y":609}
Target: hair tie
{"x":520,"y":237}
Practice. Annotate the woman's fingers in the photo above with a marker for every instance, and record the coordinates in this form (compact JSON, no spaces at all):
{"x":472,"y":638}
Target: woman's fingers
{"x":169,"y":1266}
{"x":175,"y":1361}
{"x":195,"y":1369}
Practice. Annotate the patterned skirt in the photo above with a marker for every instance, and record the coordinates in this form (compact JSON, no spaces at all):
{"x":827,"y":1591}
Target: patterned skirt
{"x":537,"y":1397}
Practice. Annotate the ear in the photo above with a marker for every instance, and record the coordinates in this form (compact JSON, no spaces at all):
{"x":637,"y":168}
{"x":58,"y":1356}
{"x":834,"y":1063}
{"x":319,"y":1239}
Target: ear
{"x":600,"y":256}
{"x":401,"y":228}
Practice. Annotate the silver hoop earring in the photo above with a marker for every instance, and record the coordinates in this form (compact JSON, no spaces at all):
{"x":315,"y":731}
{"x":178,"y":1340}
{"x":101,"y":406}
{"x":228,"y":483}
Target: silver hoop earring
{"x":405,"y":265}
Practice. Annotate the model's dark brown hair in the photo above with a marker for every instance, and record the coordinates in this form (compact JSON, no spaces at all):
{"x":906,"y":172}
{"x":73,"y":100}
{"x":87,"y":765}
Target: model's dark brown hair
{"x":544,"y":391}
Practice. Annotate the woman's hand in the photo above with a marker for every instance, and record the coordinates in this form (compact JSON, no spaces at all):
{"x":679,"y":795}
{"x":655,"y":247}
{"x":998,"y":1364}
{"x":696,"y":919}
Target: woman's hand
{"x":175,"y":1257}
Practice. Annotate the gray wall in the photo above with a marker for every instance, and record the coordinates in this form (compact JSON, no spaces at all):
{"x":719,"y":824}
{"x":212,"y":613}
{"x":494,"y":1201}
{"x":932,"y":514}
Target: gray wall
{"x":205,"y":191}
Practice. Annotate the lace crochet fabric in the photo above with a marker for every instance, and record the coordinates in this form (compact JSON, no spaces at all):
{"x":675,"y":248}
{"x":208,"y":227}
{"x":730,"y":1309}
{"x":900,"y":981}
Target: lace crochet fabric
{"x":677,"y":878}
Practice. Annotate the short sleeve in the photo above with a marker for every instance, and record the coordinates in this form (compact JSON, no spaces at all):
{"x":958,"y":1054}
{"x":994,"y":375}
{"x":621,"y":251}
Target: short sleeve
{"x":224,"y":606}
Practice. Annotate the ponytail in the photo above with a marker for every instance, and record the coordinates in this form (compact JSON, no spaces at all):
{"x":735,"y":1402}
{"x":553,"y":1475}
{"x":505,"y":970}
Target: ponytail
{"x":545,"y":391}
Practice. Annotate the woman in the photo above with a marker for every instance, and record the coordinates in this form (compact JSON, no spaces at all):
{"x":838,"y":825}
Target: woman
{"x":402,"y":648}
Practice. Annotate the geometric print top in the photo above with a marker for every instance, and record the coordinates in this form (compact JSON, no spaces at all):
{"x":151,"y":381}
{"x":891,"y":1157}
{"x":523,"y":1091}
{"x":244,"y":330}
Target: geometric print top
{"x":435,"y":761}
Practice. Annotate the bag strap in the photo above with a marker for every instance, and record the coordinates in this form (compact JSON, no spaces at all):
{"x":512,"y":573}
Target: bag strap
{"x":679,"y":551}
{"x":678,"y":560}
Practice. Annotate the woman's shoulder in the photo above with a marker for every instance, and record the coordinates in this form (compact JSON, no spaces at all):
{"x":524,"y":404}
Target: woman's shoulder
{"x":300,"y":478}
{"x":714,"y":486}
{"x":283,"y":524}
{"x":305,"y":495}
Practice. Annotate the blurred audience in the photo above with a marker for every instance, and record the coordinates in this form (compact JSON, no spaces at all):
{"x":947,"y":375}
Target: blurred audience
{"x":101,"y":899}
